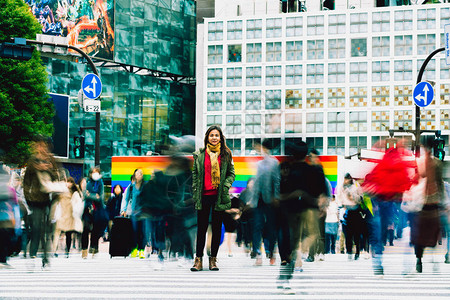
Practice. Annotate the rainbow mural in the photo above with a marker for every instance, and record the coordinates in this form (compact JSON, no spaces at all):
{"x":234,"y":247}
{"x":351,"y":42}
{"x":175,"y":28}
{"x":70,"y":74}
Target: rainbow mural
{"x":245,"y":167}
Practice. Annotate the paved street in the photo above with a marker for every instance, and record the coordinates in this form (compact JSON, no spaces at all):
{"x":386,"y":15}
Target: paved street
{"x":119,"y":278}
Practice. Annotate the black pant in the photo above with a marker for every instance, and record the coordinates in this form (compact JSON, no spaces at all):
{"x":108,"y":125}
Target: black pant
{"x":208,"y":204}
{"x":96,"y":232}
{"x":6,"y":235}
{"x":69,"y":239}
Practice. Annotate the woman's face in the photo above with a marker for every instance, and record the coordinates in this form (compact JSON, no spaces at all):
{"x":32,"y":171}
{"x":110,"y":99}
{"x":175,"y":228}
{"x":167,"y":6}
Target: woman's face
{"x":138,"y":175}
{"x":214,"y":137}
{"x":83,"y":184}
{"x":117,"y":190}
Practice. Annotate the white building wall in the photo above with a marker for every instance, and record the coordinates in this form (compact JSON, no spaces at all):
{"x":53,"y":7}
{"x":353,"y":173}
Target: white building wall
{"x":381,"y":101}
{"x":231,"y":8}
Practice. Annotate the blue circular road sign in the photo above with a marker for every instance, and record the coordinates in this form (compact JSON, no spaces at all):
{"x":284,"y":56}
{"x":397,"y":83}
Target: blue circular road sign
{"x":423,"y":94}
{"x":91,"y":86}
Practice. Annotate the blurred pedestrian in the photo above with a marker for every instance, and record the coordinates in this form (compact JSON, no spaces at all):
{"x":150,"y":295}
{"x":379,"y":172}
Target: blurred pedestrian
{"x":133,"y":210}
{"x":113,"y":205}
{"x":95,"y":218}
{"x":425,"y":227}
{"x":41,"y":183}
{"x":212,"y":176}
{"x":300,"y":194}
{"x":331,"y":226}
{"x":349,"y":194}
{"x":24,"y":239}
{"x":7,"y":218}
{"x":72,"y":207}
{"x":244,"y":234}
{"x":264,"y":199}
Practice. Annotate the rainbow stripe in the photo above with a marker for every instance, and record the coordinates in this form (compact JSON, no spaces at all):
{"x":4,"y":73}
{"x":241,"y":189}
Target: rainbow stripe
{"x":245,"y":167}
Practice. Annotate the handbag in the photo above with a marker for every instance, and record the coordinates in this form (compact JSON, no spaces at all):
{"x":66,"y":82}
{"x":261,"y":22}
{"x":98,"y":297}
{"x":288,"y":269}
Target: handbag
{"x":414,"y":199}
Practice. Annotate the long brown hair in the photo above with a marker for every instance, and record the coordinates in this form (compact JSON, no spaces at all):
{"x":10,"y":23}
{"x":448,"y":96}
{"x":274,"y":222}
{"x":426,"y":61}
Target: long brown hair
{"x":74,"y":187}
{"x":225,"y":152}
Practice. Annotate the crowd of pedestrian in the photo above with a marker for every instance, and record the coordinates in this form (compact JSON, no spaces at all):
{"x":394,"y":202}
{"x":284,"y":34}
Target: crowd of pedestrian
{"x":288,"y":210}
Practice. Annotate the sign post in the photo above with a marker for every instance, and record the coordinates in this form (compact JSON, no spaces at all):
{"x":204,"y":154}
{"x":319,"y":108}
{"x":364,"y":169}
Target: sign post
{"x":423,"y":94}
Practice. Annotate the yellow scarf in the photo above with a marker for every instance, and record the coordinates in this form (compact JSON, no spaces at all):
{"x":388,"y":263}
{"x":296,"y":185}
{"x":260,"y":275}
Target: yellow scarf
{"x":214,"y":152}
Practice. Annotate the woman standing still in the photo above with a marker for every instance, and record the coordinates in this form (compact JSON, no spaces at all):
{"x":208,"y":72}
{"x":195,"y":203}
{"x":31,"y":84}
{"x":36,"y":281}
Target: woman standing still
{"x":212,"y":175}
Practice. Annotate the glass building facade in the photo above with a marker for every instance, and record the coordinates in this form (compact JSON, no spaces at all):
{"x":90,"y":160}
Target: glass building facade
{"x":138,"y":112}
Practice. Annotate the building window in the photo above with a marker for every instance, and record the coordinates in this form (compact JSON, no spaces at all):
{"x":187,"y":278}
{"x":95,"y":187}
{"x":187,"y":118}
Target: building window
{"x":273,"y":51}
{"x":215,"y":31}
{"x":273,"y":27}
{"x":314,"y":73}
{"x":380,"y":96}
{"x":427,"y":119}
{"x":336,"y":48}
{"x":316,"y":25}
{"x":336,"y":121}
{"x":214,"y":101}
{"x":403,"y":45}
{"x":314,"y":98}
{"x":426,"y":19}
{"x":445,"y":119}
{"x":234,"y":123}
{"x":315,"y":143}
{"x":273,"y":123}
{"x":288,"y":143}
{"x":358,"y":72}
{"x":403,"y":95}
{"x":445,"y":17}
{"x":294,"y":74}
{"x":315,"y":49}
{"x":403,"y":70}
{"x":293,"y":99}
{"x":381,"y":21}
{"x":445,"y":94}
{"x":336,"y":24}
{"x":235,"y":146}
{"x":234,"y":30}
{"x":215,"y":78}
{"x":336,"y":145}
{"x":215,"y":54}
{"x":426,"y":43}
{"x":314,"y":122}
{"x":380,"y":71}
{"x":380,"y":46}
{"x":234,"y":100}
{"x":294,"y":26}
{"x":213,"y":120}
{"x":358,"y":97}
{"x":234,"y":53}
{"x":250,"y":146}
{"x":430,"y":70}
{"x":336,"y":73}
{"x":273,"y":99}
{"x":445,"y":74}
{"x":254,"y":52}
{"x":403,"y":118}
{"x":336,"y":97}
{"x":253,"y":100}
{"x":294,"y":50}
{"x":254,"y":29}
{"x":253,"y":124}
{"x":380,"y":120}
{"x":358,"y":23}
{"x":357,"y":143}
{"x":234,"y":77}
{"x":358,"y":47}
{"x":293,"y":123}
{"x":358,"y":121}
{"x":253,"y":76}
{"x":273,"y":75}
{"x":403,"y":20}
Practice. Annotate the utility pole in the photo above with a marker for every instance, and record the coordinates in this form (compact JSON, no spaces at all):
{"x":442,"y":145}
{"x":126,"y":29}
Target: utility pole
{"x":94,"y":70}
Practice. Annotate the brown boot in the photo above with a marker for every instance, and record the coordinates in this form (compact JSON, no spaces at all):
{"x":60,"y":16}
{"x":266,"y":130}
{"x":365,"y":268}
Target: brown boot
{"x":84,"y":253}
{"x":213,"y":264}
{"x":198,"y":265}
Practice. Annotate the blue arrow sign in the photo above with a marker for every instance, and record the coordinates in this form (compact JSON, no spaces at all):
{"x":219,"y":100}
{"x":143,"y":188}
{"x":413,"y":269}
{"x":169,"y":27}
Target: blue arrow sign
{"x":91,"y":86}
{"x":423,"y":94}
